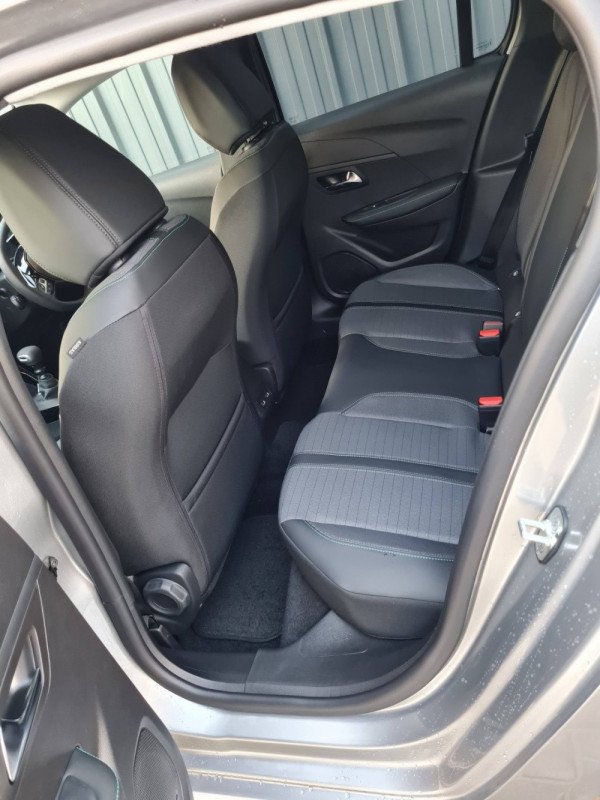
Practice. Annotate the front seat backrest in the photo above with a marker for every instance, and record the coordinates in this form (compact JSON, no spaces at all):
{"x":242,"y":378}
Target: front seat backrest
{"x":154,"y":421}
{"x":258,"y":204}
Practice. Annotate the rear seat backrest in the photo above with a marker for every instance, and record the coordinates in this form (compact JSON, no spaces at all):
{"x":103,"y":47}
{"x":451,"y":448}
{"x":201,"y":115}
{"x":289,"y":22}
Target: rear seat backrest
{"x":550,"y":215}
{"x":571,"y":98}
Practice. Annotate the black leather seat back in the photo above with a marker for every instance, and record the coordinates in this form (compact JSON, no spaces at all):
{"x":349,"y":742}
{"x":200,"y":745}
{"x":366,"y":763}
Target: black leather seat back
{"x":258,"y":205}
{"x":154,"y":420}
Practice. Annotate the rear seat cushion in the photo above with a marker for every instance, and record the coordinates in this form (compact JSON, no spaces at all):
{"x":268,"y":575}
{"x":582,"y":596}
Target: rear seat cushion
{"x":447,"y":333}
{"x":363,"y":366}
{"x":439,"y":286}
{"x":373,"y":504}
{"x":432,"y":309}
{"x":430,"y":286}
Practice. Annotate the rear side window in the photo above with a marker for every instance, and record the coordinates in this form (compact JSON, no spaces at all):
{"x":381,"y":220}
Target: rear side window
{"x":490,"y":24}
{"x":137,"y":112}
{"x":324,"y":64}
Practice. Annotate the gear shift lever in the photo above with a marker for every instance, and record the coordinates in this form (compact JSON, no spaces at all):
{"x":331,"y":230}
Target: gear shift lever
{"x":32,"y":358}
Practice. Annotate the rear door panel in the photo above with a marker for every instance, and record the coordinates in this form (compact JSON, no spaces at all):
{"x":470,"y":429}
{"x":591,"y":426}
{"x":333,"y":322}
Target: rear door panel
{"x":73,"y":725}
{"x":411,"y":149}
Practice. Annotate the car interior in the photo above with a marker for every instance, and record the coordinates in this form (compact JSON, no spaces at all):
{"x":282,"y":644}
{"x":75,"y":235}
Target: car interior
{"x":276,"y":370}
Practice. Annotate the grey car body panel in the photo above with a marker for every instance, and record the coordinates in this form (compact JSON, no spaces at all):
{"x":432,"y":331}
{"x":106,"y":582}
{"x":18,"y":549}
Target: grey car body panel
{"x":521,"y":656}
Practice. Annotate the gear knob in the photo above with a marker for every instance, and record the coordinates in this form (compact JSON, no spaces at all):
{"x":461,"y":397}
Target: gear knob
{"x":32,"y":358}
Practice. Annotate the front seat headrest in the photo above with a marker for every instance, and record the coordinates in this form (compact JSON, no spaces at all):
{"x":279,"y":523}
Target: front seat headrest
{"x":222,"y":98}
{"x":73,"y":202}
{"x":563,"y":37}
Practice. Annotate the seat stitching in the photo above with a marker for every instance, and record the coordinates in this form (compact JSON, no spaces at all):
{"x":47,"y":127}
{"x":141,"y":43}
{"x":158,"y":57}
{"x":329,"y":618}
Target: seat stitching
{"x":450,"y":308}
{"x":278,"y":318}
{"x":375,"y":548}
{"x":390,"y":307}
{"x":447,"y":398}
{"x":68,"y":190}
{"x":371,"y":454}
{"x":410,"y":421}
{"x":398,"y":349}
{"x":403,"y":420}
{"x":559,"y":269}
{"x":487,"y":284}
{"x":195,"y":493}
{"x":416,"y":338}
{"x":382,"y":471}
{"x":107,"y":285}
{"x":188,"y":526}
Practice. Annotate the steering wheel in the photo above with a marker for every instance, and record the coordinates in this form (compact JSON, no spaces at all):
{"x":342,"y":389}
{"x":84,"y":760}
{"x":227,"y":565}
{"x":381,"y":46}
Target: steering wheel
{"x":35,"y":287}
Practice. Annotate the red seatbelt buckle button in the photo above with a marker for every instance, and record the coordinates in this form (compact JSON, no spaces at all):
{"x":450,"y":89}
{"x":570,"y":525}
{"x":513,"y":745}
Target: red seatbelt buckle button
{"x":489,"y":408}
{"x":491,"y":401}
{"x":489,"y":339}
{"x":490,"y":333}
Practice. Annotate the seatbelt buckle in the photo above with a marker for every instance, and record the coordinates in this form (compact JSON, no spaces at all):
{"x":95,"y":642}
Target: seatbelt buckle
{"x":489,"y":339}
{"x":489,"y":408}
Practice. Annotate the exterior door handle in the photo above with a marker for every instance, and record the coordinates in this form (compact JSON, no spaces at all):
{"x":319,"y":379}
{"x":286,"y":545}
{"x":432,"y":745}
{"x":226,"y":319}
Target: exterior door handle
{"x":19,"y":709}
{"x":341,"y":181}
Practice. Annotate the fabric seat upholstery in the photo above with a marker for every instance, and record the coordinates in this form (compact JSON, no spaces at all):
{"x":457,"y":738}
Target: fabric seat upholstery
{"x":257,"y":206}
{"x":154,"y":418}
{"x":373,"y":502}
{"x":376,"y":492}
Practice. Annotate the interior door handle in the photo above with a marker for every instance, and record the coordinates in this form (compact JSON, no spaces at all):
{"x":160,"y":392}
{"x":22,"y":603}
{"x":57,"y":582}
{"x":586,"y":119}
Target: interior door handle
{"x":341,"y":181}
{"x":19,"y":709}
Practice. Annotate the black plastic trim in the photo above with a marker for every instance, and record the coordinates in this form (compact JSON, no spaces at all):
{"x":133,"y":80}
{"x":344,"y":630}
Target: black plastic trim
{"x":464,"y":24}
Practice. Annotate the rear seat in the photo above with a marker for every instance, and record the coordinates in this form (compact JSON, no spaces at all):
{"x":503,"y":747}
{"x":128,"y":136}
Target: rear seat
{"x":376,"y":492}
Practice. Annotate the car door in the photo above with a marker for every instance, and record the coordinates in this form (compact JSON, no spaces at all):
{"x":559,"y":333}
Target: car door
{"x":388,"y":103}
{"x":387,"y":176}
{"x":72,"y":725}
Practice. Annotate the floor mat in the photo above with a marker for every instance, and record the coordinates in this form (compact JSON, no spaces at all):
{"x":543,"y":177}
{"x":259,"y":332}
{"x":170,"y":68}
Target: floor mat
{"x":248,"y":602}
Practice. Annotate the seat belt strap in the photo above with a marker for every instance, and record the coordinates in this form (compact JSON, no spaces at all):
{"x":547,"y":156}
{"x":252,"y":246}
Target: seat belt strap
{"x":512,"y":197}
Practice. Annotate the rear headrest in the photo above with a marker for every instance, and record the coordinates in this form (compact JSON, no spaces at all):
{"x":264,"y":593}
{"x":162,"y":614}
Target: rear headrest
{"x":222,"y":98}
{"x":563,"y":37}
{"x":72,"y":201}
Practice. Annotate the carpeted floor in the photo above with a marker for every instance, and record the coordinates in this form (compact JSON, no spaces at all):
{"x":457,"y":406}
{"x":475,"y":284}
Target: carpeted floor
{"x":248,"y":601}
{"x":254,"y":603}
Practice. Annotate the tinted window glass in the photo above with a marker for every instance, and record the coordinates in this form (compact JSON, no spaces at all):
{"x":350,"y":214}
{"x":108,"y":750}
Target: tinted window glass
{"x":324,"y":64}
{"x":137,"y":112}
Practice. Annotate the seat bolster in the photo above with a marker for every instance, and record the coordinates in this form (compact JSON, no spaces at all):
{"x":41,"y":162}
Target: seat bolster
{"x":373,"y":503}
{"x":446,"y":333}
{"x":430,"y":310}
{"x":393,"y":591}
{"x":421,"y":279}
{"x":362,"y":364}
{"x":374,"y":429}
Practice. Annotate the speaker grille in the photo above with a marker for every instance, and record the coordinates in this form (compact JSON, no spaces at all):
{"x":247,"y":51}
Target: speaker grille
{"x":154,"y":774}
